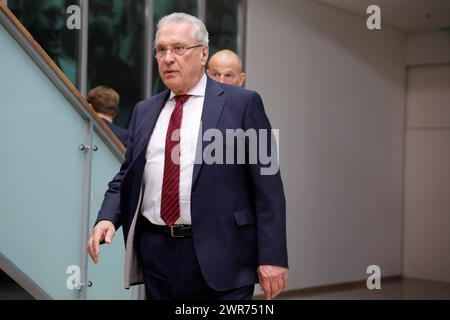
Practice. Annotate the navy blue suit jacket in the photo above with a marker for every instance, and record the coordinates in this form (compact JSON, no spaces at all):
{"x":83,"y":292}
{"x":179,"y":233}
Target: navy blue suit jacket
{"x":121,"y":133}
{"x":238,"y":215}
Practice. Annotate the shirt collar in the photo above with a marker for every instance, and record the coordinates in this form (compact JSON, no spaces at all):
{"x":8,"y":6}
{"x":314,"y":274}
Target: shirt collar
{"x":197,"y":90}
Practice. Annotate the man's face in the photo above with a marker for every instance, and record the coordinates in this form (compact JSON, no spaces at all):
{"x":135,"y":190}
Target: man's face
{"x":180,"y":72}
{"x":226,"y":69}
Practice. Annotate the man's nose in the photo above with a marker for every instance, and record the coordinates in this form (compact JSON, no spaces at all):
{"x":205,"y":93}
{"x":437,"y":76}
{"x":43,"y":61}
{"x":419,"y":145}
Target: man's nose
{"x":169,"y":57}
{"x":222,"y":78}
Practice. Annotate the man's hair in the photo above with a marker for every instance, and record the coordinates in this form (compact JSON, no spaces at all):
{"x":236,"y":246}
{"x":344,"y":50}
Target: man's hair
{"x":199,"y":32}
{"x":104,"y":100}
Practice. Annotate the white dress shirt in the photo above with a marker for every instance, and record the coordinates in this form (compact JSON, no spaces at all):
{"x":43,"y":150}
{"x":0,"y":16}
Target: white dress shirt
{"x":154,"y":166}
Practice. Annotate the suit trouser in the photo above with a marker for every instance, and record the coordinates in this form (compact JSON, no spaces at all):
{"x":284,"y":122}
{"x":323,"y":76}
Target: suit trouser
{"x":171,"y":270}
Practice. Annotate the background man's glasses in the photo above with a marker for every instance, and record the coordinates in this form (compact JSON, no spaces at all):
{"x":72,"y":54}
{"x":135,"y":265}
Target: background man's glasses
{"x":160,"y":52}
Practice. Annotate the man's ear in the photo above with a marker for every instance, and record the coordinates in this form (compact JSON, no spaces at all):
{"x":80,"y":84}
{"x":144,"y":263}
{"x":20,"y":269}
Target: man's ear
{"x":242,"y":78}
{"x":205,"y":55}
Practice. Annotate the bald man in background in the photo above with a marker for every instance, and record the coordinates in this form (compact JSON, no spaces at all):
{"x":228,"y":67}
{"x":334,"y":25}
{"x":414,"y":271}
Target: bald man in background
{"x":225,"y":66}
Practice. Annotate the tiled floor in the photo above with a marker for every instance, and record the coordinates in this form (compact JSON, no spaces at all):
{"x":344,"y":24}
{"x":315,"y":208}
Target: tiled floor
{"x":399,"y":289}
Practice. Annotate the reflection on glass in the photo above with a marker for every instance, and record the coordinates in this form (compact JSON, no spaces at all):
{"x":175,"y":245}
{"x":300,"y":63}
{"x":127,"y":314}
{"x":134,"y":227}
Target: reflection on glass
{"x":162,"y":8}
{"x":116,"y":39}
{"x":116,"y":48}
{"x":46,"y":22}
{"x":222,"y":24}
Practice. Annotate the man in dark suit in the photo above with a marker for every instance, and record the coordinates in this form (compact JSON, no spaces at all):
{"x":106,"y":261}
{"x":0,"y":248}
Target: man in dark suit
{"x":105,"y":102}
{"x":196,"y":227}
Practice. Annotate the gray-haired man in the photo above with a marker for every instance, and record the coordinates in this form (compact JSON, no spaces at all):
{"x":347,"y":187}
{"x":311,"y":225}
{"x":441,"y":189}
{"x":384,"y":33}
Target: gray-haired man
{"x":194,"y":230}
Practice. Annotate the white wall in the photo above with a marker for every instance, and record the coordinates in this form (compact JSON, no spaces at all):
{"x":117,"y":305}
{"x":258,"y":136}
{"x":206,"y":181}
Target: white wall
{"x":427,"y":159}
{"x":428,"y":48}
{"x":336,"y":91}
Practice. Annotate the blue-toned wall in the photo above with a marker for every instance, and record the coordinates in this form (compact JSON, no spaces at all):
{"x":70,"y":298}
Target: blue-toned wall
{"x":41,"y":181}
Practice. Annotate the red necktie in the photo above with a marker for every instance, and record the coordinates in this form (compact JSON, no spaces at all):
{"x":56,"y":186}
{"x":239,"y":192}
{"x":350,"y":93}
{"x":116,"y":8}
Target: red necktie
{"x":170,"y":196}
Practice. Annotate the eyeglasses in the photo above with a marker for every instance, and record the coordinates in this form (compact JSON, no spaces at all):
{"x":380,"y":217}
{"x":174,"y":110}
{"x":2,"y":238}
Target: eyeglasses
{"x":179,"y":50}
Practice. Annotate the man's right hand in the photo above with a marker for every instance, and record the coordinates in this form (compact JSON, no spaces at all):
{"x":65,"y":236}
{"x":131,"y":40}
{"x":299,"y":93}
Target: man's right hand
{"x":104,"y":230}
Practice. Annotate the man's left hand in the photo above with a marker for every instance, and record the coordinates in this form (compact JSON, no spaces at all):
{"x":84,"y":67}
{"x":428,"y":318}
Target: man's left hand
{"x":272,"y":280}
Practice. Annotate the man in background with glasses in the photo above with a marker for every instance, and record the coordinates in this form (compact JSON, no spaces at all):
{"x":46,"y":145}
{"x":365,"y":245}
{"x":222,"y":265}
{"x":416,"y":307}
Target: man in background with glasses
{"x":194,"y":230}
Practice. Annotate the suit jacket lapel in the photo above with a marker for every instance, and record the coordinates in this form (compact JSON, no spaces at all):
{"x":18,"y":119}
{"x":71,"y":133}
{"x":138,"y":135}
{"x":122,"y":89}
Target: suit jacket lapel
{"x":212,"y":109}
